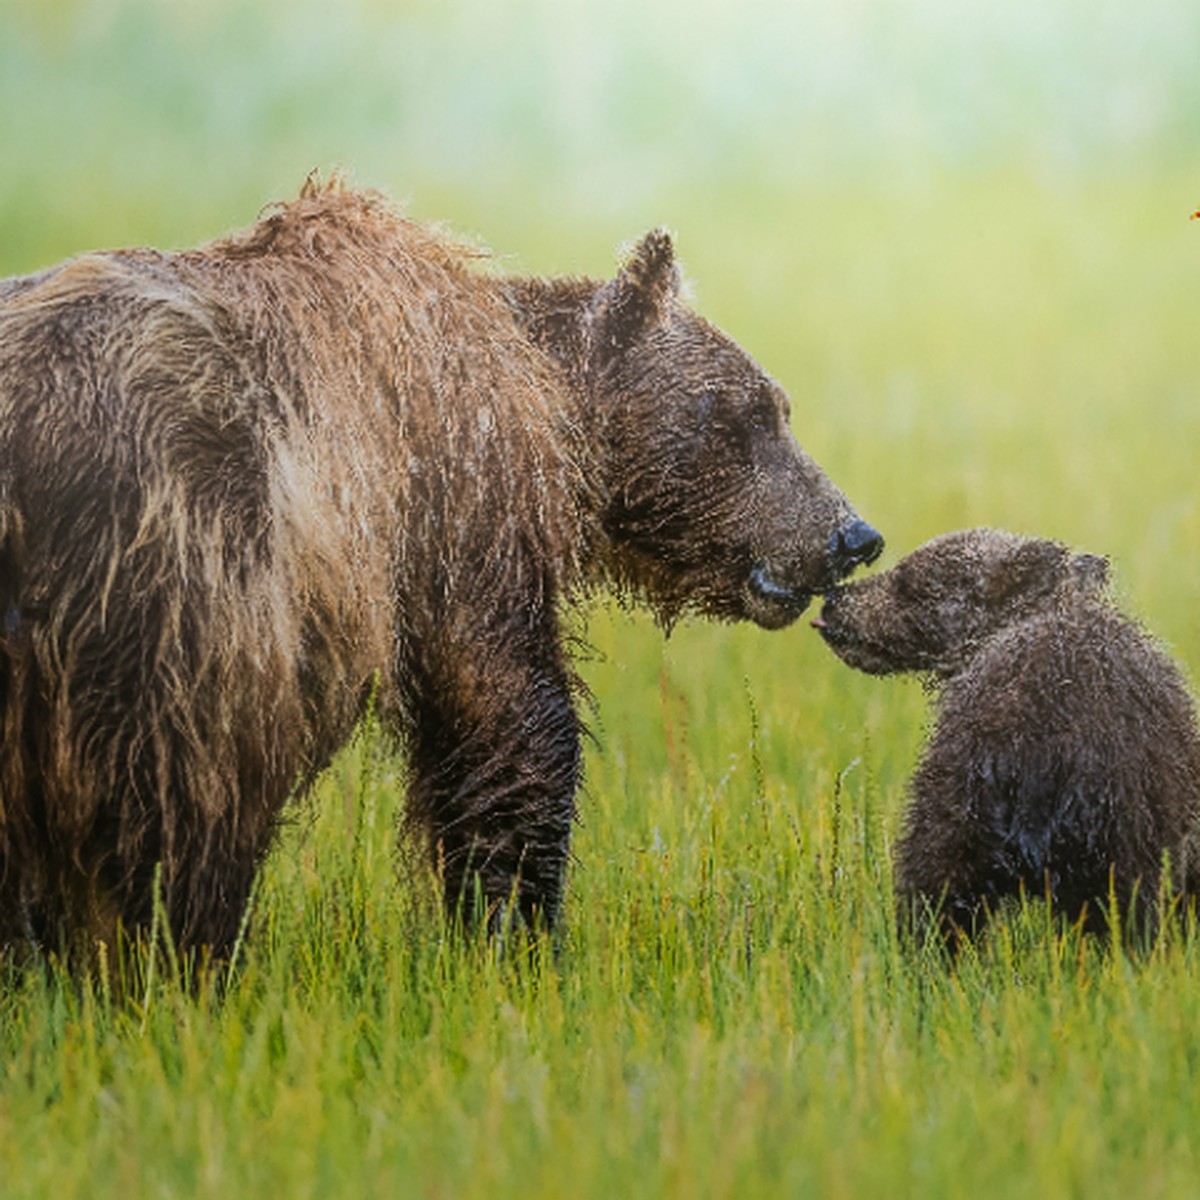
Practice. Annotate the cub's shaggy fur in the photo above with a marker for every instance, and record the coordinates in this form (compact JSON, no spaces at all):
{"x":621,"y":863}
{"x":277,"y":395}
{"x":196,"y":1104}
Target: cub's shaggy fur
{"x":1065,"y":760}
{"x":245,"y":487}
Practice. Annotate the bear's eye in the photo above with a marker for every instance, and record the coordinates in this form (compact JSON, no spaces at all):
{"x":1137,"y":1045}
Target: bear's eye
{"x":741,"y":420}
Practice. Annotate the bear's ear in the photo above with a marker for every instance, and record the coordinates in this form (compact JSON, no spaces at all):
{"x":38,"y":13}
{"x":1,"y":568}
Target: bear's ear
{"x":1089,"y":574}
{"x":639,"y":299}
{"x":1033,"y":570}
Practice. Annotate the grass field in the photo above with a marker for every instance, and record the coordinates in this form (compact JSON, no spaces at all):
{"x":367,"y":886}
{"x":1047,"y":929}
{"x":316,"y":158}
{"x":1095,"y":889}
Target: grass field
{"x":966,"y":253}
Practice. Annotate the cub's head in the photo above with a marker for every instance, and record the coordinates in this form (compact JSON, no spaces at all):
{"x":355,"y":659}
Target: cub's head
{"x":935,"y":608}
{"x":711,"y":505}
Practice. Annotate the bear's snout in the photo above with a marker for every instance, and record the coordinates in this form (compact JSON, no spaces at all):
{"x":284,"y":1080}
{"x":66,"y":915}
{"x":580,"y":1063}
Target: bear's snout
{"x":846,"y":626}
{"x":854,"y":545}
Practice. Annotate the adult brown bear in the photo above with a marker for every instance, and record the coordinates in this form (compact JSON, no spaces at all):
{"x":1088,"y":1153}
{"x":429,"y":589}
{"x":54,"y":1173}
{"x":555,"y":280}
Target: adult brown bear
{"x":243,"y":488}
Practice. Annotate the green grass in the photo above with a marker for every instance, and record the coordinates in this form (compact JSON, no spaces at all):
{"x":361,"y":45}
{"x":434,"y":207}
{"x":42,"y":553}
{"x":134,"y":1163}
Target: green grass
{"x":985,"y":313}
{"x":728,"y":1015}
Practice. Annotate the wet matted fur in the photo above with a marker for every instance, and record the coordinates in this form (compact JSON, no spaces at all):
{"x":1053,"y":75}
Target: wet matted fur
{"x":245,"y":487}
{"x":1065,"y":759}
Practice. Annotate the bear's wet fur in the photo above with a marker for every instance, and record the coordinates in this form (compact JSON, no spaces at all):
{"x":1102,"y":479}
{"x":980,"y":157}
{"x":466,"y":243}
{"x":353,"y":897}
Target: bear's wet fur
{"x":1064,"y":761}
{"x":340,"y":459}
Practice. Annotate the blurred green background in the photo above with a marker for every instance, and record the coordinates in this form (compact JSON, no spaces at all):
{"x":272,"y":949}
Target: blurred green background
{"x":162,"y":119}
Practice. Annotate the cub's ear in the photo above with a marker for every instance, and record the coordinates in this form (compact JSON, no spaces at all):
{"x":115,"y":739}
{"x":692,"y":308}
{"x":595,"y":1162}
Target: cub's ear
{"x":639,"y":299}
{"x":1089,"y":574}
{"x":1032,"y":571}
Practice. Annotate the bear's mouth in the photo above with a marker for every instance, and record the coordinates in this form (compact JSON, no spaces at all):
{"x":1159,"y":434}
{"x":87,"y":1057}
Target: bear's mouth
{"x":849,"y":645}
{"x":835,"y":633}
{"x":832,"y":634}
{"x":772,"y":603}
{"x":853,"y":650}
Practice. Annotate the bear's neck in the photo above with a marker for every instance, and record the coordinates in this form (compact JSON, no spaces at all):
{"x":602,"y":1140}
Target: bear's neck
{"x":553,"y":314}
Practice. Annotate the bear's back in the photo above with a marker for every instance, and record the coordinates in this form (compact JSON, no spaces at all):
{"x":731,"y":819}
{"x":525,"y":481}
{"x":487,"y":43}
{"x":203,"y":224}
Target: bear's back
{"x":1070,"y":739}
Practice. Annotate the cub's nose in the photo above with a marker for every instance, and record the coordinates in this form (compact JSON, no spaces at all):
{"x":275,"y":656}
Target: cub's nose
{"x":854,"y":545}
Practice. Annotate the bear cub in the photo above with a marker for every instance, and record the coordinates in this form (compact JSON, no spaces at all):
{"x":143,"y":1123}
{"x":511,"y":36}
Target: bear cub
{"x":1065,"y":759}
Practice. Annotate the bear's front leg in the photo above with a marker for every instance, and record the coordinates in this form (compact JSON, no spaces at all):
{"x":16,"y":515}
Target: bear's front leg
{"x":494,"y":759}
{"x":943,"y":868}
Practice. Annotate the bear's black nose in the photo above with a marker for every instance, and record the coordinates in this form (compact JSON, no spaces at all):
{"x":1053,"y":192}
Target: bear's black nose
{"x":854,"y":545}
